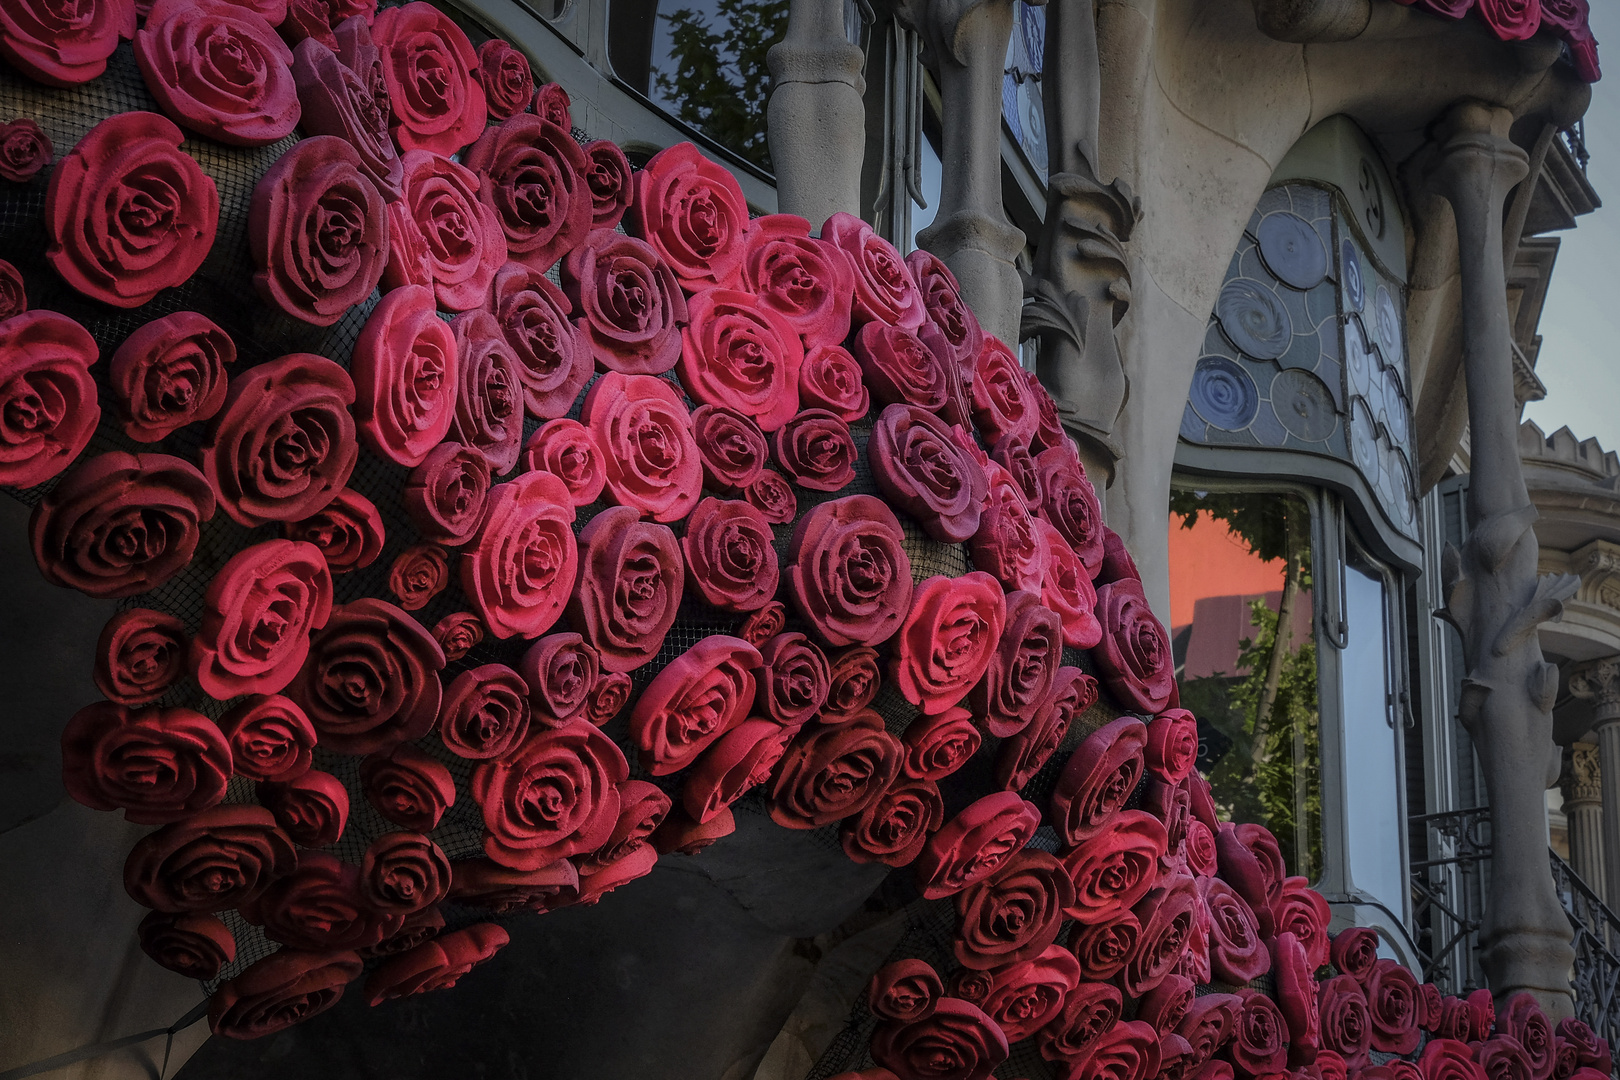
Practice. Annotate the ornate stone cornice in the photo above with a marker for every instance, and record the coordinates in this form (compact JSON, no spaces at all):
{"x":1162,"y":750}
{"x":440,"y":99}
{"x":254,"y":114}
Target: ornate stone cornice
{"x":1599,"y":683}
{"x":1598,"y":566}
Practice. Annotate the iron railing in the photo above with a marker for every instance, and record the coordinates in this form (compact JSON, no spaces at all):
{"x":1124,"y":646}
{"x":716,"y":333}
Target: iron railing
{"x":1574,"y":138}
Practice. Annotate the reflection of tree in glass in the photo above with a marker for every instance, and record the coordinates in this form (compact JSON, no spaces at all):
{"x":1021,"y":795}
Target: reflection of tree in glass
{"x":716,"y":79}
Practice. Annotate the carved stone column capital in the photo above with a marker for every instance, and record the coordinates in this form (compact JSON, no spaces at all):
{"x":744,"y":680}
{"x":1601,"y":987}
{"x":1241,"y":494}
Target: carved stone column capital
{"x":1599,"y":683}
{"x":1597,"y":564}
{"x":1583,"y":783}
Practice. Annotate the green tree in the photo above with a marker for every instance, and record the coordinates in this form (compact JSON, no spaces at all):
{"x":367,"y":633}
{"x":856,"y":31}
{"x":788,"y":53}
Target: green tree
{"x":716,"y":78}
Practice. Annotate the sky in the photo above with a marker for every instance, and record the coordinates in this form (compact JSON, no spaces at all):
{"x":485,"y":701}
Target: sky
{"x":1580,"y":325}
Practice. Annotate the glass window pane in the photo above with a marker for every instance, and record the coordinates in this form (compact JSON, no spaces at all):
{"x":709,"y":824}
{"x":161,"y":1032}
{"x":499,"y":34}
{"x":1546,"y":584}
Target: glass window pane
{"x":1240,"y":566}
{"x":1021,"y":84}
{"x":1372,"y":775}
{"x":923,"y":216}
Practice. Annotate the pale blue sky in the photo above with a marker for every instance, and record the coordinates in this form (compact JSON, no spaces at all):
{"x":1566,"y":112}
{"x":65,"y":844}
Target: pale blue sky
{"x":1580,"y":353}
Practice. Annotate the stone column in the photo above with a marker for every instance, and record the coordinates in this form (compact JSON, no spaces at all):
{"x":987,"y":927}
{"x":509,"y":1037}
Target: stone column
{"x":1493,"y":594}
{"x":816,"y":118}
{"x":1600,"y":684}
{"x":1583,"y":807}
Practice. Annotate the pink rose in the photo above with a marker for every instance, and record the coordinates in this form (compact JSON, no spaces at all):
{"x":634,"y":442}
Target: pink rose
{"x":731,"y":446}
{"x":645,"y":435}
{"x":551,"y":104}
{"x":489,"y":398}
{"x":773,"y":496}
{"x":793,"y":681}
{"x":532,"y":176}
{"x":900,"y":368}
{"x":630,"y":307}
{"x":406,"y":377}
{"x":1020,"y":465}
{"x":612,"y":185}
{"x":1023,"y":667}
{"x":1002,"y":405}
{"x":257,"y":617}
{"x":948,"y":639}
{"x":564,"y":448}
{"x":561,"y":671}
{"x":170,"y":373}
{"x":459,"y":239}
{"x":157,"y":765}
{"x":692,"y":212}
{"x":737,"y":762}
{"x":628,"y":589}
{"x":739,"y":352}
{"x":884,"y":290}
{"x":830,"y":379}
{"x":1236,"y":953}
{"x":816,"y":450}
{"x":1027,"y":752}
{"x":1069,"y":503}
{"x":730,"y":557}
{"x":139,"y":655}
{"x":1302,"y":911}
{"x":447,"y":493}
{"x":1067,"y":590}
{"x":945,"y":309}
{"x":428,"y":63}
{"x":698,"y":697}
{"x":848,"y":573}
{"x":504,"y":74}
{"x":1168,"y":914}
{"x":24,"y":150}
{"x":63,"y":46}
{"x":1127,"y":1051}
{"x":1113,"y":869}
{"x":975,"y":844}
{"x":220,"y":70}
{"x":1007,"y":544}
{"x":939,"y":745}
{"x":522,"y":562}
{"x":808,"y":281}
{"x":348,"y":530}
{"x":1134,"y":656}
{"x":1089,"y":1011}
{"x":555,"y":796}
{"x":554,"y":360}
{"x":920,"y":468}
{"x":830,"y":773}
{"x":347,"y":98}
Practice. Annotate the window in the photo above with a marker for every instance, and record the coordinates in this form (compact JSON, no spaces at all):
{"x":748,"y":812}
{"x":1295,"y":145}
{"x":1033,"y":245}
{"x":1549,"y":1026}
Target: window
{"x":1021,"y":104}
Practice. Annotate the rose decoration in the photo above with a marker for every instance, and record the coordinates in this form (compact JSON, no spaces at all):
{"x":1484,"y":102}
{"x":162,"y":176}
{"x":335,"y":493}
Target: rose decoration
{"x":1449,"y":1059}
{"x":458,"y":634}
{"x":420,"y":926}
{"x":894,"y":827}
{"x":1168,"y":914}
{"x":565,"y":449}
{"x":884,"y":290}
{"x":1591,"y":1050}
{"x":1210,"y":1022}
{"x":922,"y":470}
{"x":560,"y":671}
{"x":945,"y":309}
{"x":170,"y":373}
{"x":816,"y":450}
{"x":1346,"y":1020}
{"x":1171,"y":804}
{"x":1089,"y":1010}
{"x":312,"y":808}
{"x":773,"y":497}
{"x":692,"y":212}
{"x":1502,"y":1058}
{"x":13,"y":297}
{"x":446,"y":495}
{"x":504,"y":74}
{"x":764,"y":624}
{"x":1523,"y":1019}
{"x":1026,"y":752}
{"x":139,"y":655}
{"x":280,"y":990}
{"x":522,"y":562}
{"x":306,"y":19}
{"x":1260,"y":1041}
{"x":1014,"y":914}
{"x":1236,"y":953}
{"x":213,"y":860}
{"x":740,"y":353}
{"x":737,"y":762}
{"x":830,"y":379}
{"x":532,"y":176}
{"x":793,"y":681}
{"x":257,"y":617}
{"x":852,"y":682}
{"x":731,"y":447}
{"x":730,"y":557}
{"x":220,"y":70}
{"x":628,"y":589}
{"x":956,"y":1040}
{"x":1392,"y":1004}
{"x":1429,"y":994}
{"x":48,"y":408}
{"x":435,"y":965}
{"x":1114,"y":868}
{"x":948,"y":640}
{"x":157,"y":765}
{"x":427,"y":63}
{"x":1007,"y":545}
{"x":1456,"y":1020}
{"x":608,"y":177}
{"x":1026,"y":995}
{"x":191,"y":943}
{"x":975,"y":843}
{"x":1023,"y":667}
{"x":319,"y":906}
{"x":441,"y":234}
{"x":607,"y":697}
{"x":407,"y":787}
{"x":1134,"y":655}
{"x":270,"y":738}
{"x":849,"y":576}
{"x":555,"y":796}
{"x":630,"y":308}
{"x":554,"y":362}
{"x":1127,"y":1051}
{"x":1296,"y":997}
{"x":1302,"y":911}
{"x":487,"y":884}
{"x":627,"y":868}
{"x":900,"y":368}
{"x":1483,"y":1007}
{"x":830,"y":773}
{"x":1511,"y":20}
{"x":808,"y":281}
{"x":1002,"y":405}
{"x":1069,"y":503}
{"x":1165,"y":1005}
{"x":905,"y":990}
{"x":284,"y":444}
{"x":1020,"y":465}
{"x":419,"y":573}
{"x":698,"y":697}
{"x":120,"y":524}
{"x":404,"y":873}
{"x":485,"y":712}
{"x":1172,"y":745}
{"x":1252,"y":864}
{"x":348,"y":532}
{"x":1098,"y":778}
{"x":24,"y":150}
{"x":350,"y":102}
{"x":128,"y":214}
{"x":938,"y":745}
{"x":406,"y":376}
{"x":63,"y":46}
{"x":488,"y":414}
{"x":645,"y":436}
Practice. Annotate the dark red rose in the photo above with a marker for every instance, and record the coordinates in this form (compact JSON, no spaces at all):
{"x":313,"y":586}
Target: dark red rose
{"x":13,"y":297}
{"x":1522,"y":1018}
{"x":406,"y":376}
{"x":1355,"y":951}
{"x":1168,"y":914}
{"x":938,"y":745}
{"x":1027,"y":994}
{"x":350,"y":102}
{"x":48,"y":408}
{"x":730,"y":555}
{"x":1483,"y":1006}
{"x":1134,"y":655}
{"x":404,"y":873}
{"x":191,"y":944}
{"x":348,"y":531}
{"x":773,"y":497}
{"x":731,"y":446}
{"x":1566,"y":1058}
{"x":1260,"y":1042}
{"x":681,"y":835}
{"x":945,"y":309}
{"x":904,"y":990}
{"x":282,"y":989}
{"x":1303,"y":911}
{"x":1195,"y":961}
{"x":764,"y":624}
{"x":170,"y":373}
{"x":1023,"y":667}
{"x":645,"y":435}
{"x":632,"y":866}
{"x":257,"y":617}
{"x":63,"y":46}
{"x":1566,"y":16}
{"x":139,"y":655}
{"x":446,"y":495}
{"x":806,"y":280}
{"x":485,"y":883}
{"x":1090,"y":1010}
{"x":489,"y":398}
{"x":628,"y":589}
{"x":1171,"y":753}
{"x":554,"y":360}
{"x":1025,"y":753}
{"x":1591,"y":1049}
{"x":948,"y":639}
{"x":1165,"y":1005}
{"x":1007,"y":543}
{"x":1127,"y":1051}
{"x":522,"y":563}
{"x":975,"y":844}
{"x":830,"y":379}
{"x":850,"y":579}
{"x":308,"y":19}
{"x":1447,"y":1059}
{"x":1502,"y":1058}
{"x":1097,"y":779}
{"x":922,"y":470}
{"x":1236,"y":952}
{"x":1429,"y":995}
{"x":458,"y":634}
{"x":434,"y":965}
{"x":1210,"y":1022}
{"x":157,"y":765}
{"x":1392,"y":1002}
{"x":419,"y":573}
{"x":312,"y":808}
{"x":216,"y":859}
{"x":884,"y":290}
{"x":458,"y":238}
{"x":128,"y":213}
{"x":271,"y":739}
{"x":739,"y":353}
{"x":371,"y":679}
{"x":1511,"y":20}
{"x":957,"y":1041}
{"x":428,"y":63}
{"x":1104,"y":946}
{"x":561,"y":670}
{"x":1176,"y":1059}
{"x":407,"y":787}
{"x":608,"y":176}
{"x":815,"y":450}
{"x":532,"y":175}
{"x":419,"y":926}
{"x":219,"y":69}
{"x":607,"y":697}
{"x":24,"y":149}
{"x":120,"y":524}
{"x":565,"y":449}
{"x":1014,"y":914}
{"x":1114,"y":867}
{"x":1117,"y":564}
{"x":630,"y":308}
{"x":900,"y":368}
{"x":555,"y":796}
{"x":692,"y":212}
{"x":698,"y":697}
{"x":794,"y":679}
{"x":504,"y":74}
{"x":1003,"y":407}
{"x":735,"y":763}
{"x":1020,"y":465}
{"x":1346,"y":1020}
{"x":894,"y":827}
{"x":552,"y":104}
{"x":1199,"y":849}
{"x":485,"y":712}
{"x":1296,"y":997}
{"x":1456,"y":1019}
{"x":1069,"y":503}
{"x":830,"y":773}
{"x":853,"y":681}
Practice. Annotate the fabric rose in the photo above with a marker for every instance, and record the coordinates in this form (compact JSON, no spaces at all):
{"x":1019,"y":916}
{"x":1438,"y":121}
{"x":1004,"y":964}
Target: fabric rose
{"x":457,"y":241}
{"x":1027,"y":752}
{"x":1127,"y":1051}
{"x":1522,"y":1019}
{"x":629,"y":307}
{"x":1511,"y":20}
{"x":628,"y":589}
{"x":438,"y":964}
{"x":1020,"y":465}
{"x":1355,"y":952}
{"x":1134,"y":655}
{"x":1171,"y":804}
{"x":807,"y":281}
{"x":1482,"y":1005}
{"x":404,"y":873}
{"x":458,"y":634}
{"x":139,"y":655}
{"x":522,"y":562}
{"x":894,"y":827}
{"x":739,"y":353}
{"x":1591,"y":1050}
{"x":553,"y":105}
{"x":849,"y":576}
{"x":311,"y":808}
{"x":1113,"y":868}
{"x":1099,"y":776}
{"x":693,"y":213}
{"x":127,"y":212}
{"x":1303,"y":912}
{"x":730,"y":557}
{"x":532,"y":176}
{"x":1449,"y":1059}
{"x":565,"y":449}
{"x":1236,"y":953}
{"x":419,"y":926}
{"x":1002,"y":405}
{"x":975,"y":844}
{"x":484,"y":883}
{"x":428,"y":65}
{"x":48,"y":408}
{"x":815,"y":450}
{"x":830,"y":773}
{"x":1252,"y":863}
{"x":407,"y":787}
{"x":900,"y":368}
{"x":635,"y":864}
{"x":271,"y":739}
{"x":371,"y":679}
{"x":939,"y":745}
{"x":419,"y":573}
{"x":1014,"y":914}
{"x":213,"y":860}
{"x":63,"y":46}
{"x":488,"y":413}
{"x":1089,"y":1010}
{"x":1007,"y":543}
{"x":611,"y":184}
{"x":1502,"y":1058}
{"x":485,"y":712}
{"x":922,"y":470}
{"x":319,"y":906}
{"x":945,"y":308}
{"x":285,"y":442}
{"x":280,"y":990}
{"x":446,"y":494}
{"x":170,"y":373}
{"x":698,"y":697}
{"x":157,"y":765}
{"x":731,"y":446}
{"x":948,"y":639}
{"x":734,"y":764}
{"x":773,"y":497}
{"x":1260,"y":1041}
{"x":560,"y":671}
{"x":1566,"y":1059}
{"x":764,"y":624}
{"x":1172,"y":745}
{"x":607,"y":697}
{"x":1296,"y":997}
{"x":220,"y":70}
{"x":348,"y":531}
{"x":257,"y":617}
{"x":1392,"y":1004}
{"x":13,"y":296}
{"x":1069,"y":503}
{"x":1346,"y":1021}
{"x":830,"y":379}
{"x":645,"y":435}
{"x":1429,"y":994}
{"x":884,"y":290}
{"x":307,"y":19}
{"x":1456,"y":1020}
{"x":904,"y":990}
{"x":554,"y":361}
{"x":793,"y":680}
{"x":24,"y":149}
{"x":192,"y":944}
{"x":1023,"y":667}
{"x":1104,"y":946}
{"x":504,"y":74}
{"x":555,"y":796}
{"x":120,"y":524}
{"x":956,"y":1041}
{"x":1165,"y":1005}
{"x":1025,"y":995}
{"x":1168,"y":914}
{"x":406,"y":376}
{"x":852,"y":682}
{"x":1209,"y":1023}
{"x":350,"y":102}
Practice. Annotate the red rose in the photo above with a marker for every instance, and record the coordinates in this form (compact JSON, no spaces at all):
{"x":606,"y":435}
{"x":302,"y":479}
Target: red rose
{"x":1114,"y":867}
{"x":1511,"y":20}
{"x":282,"y":989}
{"x":338,"y":98}
{"x":532,"y":176}
{"x":905,"y":990}
{"x":213,"y":860}
{"x":1025,"y":995}
{"x":692,"y":212}
{"x":320,"y":906}
{"x":1007,"y":543}
{"x":1392,"y":1002}
{"x":1168,"y":914}
{"x":1023,"y":667}
{"x":1134,"y":654}
{"x":628,"y":589}
{"x":607,"y":697}
{"x":1591,"y":1049}
{"x":1483,"y":1007}
{"x":894,"y":827}
{"x":371,"y":679}
{"x":1236,"y":952}
{"x":938,"y":745}
{"x":740,"y":353}
{"x":560,"y":671}
{"x":1003,"y":407}
{"x":1346,"y":1021}
{"x":816,"y":450}
{"x":1303,"y":912}
{"x":404,"y":873}
{"x":849,"y":576}
{"x":407,"y":787}
{"x":307,"y":19}
{"x":734,"y":764}
{"x":1025,"y":753}
{"x":270,"y":738}
{"x":312,"y":808}
{"x":157,"y":765}
{"x":504,"y":74}
{"x":1566,"y":16}
{"x":440,"y":234}
{"x":630,"y":308}
{"x":1103,"y":947}
{"x":1429,"y":995}
{"x":1355,"y":951}
{"x":220,"y":70}
{"x":1260,"y":1043}
{"x":956,"y":1041}
{"x":975,"y":844}
{"x":699,"y":696}
{"x":1067,"y":590}
{"x":170,"y":373}
{"x":553,"y":358}
{"x":1014,"y":914}
{"x":24,"y":150}
{"x":1171,"y":753}
{"x":406,"y":376}
{"x":772,"y":496}
{"x":1200,"y":850}
{"x":834,"y":772}
{"x":485,"y":712}
{"x":793,"y":681}
{"x":921,"y":469}
{"x":1049,"y":432}
{"x":730,"y":445}
{"x":1456,"y":1019}
{"x":948,"y":639}
{"x":608,"y":176}
{"x":565,"y":449}
{"x":1099,"y":776}
{"x":1523,"y":1019}
{"x":191,"y":944}
{"x":1090,"y":1010}
{"x":632,"y":866}
{"x":139,"y":655}
{"x":830,"y":379}
{"x":555,"y":796}
{"x":120,"y":524}
{"x":1127,"y":1051}
{"x":1296,"y":997}
{"x":552,"y":104}
{"x":489,"y":398}
{"x":446,"y":495}
{"x":1209,"y":1024}
{"x":13,"y":297}
{"x":1069,"y":503}
{"x":257,"y":618}
{"x":419,"y":926}
{"x":63,"y":46}
{"x":48,"y":408}
{"x":284,"y":444}
{"x":884,"y":291}
{"x":1020,"y":465}
{"x":852,"y":682}
{"x":764,"y":624}
{"x":1448,"y":1059}
{"x":419,"y":573}
{"x":806,"y":280}
{"x":128,"y":214}
{"x":487,"y":884}
{"x":645,"y":436}
{"x":522,"y":562}
{"x":348,"y":531}
{"x":1566,"y":1058}
{"x":1165,"y":1005}
{"x":730,"y":555}
{"x":945,"y":309}
{"x":428,"y":63}
{"x":458,"y":634}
